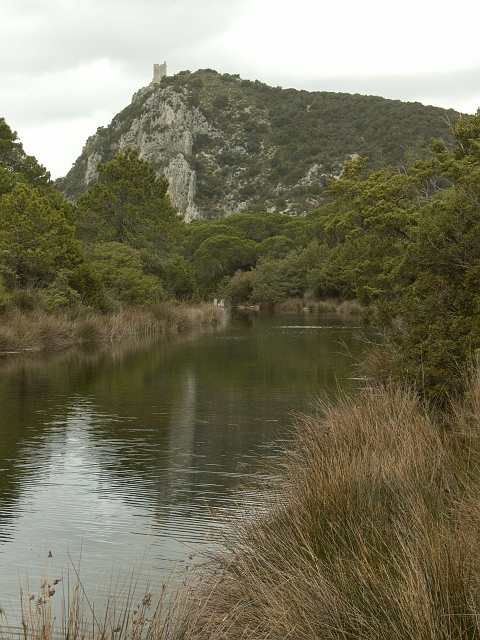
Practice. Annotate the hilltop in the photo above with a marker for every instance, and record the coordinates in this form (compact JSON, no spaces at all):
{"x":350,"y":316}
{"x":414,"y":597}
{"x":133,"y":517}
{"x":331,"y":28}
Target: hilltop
{"x":228,"y":145}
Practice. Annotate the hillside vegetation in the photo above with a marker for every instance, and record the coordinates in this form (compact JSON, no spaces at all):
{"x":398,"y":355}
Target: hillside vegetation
{"x":71,"y":273}
{"x":229,"y":145}
{"x":402,"y":241}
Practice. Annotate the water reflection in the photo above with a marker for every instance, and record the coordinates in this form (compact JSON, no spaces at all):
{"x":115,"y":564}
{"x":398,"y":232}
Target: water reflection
{"x":133,"y":447}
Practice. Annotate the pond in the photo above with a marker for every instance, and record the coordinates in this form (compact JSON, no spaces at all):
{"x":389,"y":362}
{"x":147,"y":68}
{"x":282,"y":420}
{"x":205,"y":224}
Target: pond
{"x":133,"y":452}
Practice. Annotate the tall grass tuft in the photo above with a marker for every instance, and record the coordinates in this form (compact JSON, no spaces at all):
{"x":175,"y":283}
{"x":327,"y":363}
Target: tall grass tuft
{"x":370,"y":530}
{"x":330,"y":306}
{"x":60,"y":609}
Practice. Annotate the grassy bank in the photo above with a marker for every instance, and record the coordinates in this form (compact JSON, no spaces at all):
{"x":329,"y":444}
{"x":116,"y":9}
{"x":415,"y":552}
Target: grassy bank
{"x":368,"y":528}
{"x":371,"y":530}
{"x":39,"y":330}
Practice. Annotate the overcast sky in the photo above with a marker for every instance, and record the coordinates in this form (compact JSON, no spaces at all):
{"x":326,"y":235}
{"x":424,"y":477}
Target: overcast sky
{"x":68,"y":66}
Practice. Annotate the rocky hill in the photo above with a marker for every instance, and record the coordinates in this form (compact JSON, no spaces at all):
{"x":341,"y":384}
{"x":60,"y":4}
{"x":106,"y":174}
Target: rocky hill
{"x":228,"y":145}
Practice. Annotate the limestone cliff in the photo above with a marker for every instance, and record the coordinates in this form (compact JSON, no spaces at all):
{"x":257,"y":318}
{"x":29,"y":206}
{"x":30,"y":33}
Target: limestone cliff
{"x":228,"y":145}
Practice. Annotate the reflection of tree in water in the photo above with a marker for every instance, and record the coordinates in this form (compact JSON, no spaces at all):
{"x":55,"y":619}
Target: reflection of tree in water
{"x":35,"y":399}
{"x":165,"y":424}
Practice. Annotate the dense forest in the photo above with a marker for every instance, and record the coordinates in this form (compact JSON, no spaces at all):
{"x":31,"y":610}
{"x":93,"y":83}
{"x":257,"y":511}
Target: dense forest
{"x":402,"y":242}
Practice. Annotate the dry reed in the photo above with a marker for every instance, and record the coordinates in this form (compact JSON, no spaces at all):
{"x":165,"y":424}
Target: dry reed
{"x":39,"y":330}
{"x":304,"y":305}
{"x":370,"y":532}
{"x":126,"y":613}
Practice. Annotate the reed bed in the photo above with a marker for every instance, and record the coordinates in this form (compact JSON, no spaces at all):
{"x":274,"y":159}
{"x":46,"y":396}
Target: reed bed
{"x":127,"y":613}
{"x":39,"y":330}
{"x":370,"y":530}
{"x":301,"y":305}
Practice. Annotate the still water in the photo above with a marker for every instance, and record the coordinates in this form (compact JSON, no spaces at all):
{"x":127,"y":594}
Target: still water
{"x":136,"y":450}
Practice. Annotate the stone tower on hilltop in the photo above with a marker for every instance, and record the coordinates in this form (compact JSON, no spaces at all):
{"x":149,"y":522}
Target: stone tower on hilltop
{"x":159,"y":72}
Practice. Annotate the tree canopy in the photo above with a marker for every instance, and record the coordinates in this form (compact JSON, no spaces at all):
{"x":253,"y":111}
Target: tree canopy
{"x":16,"y":166}
{"x":410,"y":243}
{"x":35,"y":239}
{"x":129,"y":205}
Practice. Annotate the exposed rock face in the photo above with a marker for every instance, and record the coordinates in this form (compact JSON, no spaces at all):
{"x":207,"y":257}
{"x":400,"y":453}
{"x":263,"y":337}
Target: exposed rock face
{"x":164,"y":134}
{"x":163,"y":131}
{"x":182,"y":187}
{"x":91,"y":173}
{"x":228,"y":145}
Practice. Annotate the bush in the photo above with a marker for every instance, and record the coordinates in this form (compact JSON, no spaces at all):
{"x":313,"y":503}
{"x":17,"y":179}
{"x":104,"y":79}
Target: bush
{"x":59,"y":294}
{"x":178,"y":278}
{"x":120,"y":269}
{"x":239,"y":287}
{"x":276,"y":280}
{"x":5,"y":296}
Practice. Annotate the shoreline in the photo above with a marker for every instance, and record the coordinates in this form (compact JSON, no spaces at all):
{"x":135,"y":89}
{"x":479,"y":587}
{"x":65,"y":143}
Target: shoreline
{"x":38,"y":331}
{"x":299,"y":305}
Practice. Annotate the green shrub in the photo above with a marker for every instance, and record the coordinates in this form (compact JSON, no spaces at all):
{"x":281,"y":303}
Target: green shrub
{"x":239,"y":287}
{"x":121,"y":271}
{"x":276,"y":280}
{"x":59,"y":294}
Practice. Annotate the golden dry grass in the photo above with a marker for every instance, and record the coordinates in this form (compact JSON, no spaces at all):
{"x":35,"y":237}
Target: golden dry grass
{"x":38,"y":330}
{"x":371,"y":530}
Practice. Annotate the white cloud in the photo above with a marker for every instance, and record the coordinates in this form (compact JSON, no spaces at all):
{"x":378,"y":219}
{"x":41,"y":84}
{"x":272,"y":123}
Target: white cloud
{"x":58,"y":34}
{"x":368,"y":38}
{"x":69,"y":65}
{"x":57,"y":143}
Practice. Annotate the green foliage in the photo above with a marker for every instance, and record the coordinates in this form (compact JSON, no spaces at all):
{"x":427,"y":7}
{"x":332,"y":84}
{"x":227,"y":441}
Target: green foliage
{"x":238,"y":288}
{"x":36,"y":241}
{"x":218,"y":256}
{"x":221,"y":251}
{"x":275,"y":247}
{"x":251,"y":227}
{"x":41,"y":262}
{"x":10,"y":148}
{"x":87,"y":281}
{"x":276,"y":280}
{"x":177,"y":278}
{"x":313,"y":260}
{"x":5,"y":296}
{"x":16,"y":166}
{"x":374,"y":221}
{"x":221,"y":101}
{"x":129,"y":205}
{"x":413,"y":249}
{"x":59,"y":294}
{"x":7,"y":180}
{"x":441,"y":308}
{"x":121,"y":271}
